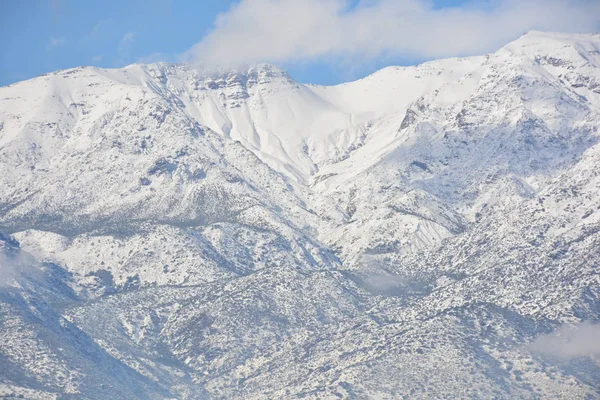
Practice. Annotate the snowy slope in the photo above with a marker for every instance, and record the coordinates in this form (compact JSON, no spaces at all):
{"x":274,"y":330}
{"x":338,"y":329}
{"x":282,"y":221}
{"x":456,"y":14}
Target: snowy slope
{"x":172,"y":233}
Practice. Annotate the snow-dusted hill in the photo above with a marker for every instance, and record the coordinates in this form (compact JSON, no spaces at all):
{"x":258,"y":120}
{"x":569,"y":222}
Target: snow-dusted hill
{"x":171,"y":233}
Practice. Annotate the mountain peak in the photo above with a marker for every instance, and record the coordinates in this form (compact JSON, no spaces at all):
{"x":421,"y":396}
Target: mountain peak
{"x":565,"y":50}
{"x":262,"y":72}
{"x":268,"y":71}
{"x":549,"y":41}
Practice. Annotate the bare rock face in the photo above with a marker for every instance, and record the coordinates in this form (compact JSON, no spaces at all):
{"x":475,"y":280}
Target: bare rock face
{"x":171,"y":233}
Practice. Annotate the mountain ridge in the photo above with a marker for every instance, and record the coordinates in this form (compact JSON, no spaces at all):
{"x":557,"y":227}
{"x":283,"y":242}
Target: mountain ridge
{"x":243,"y":236}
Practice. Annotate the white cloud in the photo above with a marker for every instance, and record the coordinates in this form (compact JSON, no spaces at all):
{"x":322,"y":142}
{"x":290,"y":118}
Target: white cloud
{"x":99,"y":28}
{"x":306,"y":30}
{"x":14,"y":265}
{"x":8,"y":271}
{"x":570,"y":341}
{"x":55,"y":42}
{"x":97,"y":59}
{"x":124,"y":49}
{"x":154,"y":58}
{"x":126,"y":42}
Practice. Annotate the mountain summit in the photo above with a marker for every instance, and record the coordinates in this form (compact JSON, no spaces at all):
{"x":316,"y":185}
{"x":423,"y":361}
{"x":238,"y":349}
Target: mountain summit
{"x":172,"y":233}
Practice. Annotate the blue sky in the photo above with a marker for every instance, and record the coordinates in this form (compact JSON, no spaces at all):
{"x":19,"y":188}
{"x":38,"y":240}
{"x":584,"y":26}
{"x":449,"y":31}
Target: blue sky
{"x":317,"y":41}
{"x":39,"y":36}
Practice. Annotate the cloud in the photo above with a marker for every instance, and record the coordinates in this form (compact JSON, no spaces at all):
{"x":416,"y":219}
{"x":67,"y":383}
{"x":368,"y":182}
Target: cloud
{"x":97,"y":31}
{"x":13,"y":265}
{"x":570,"y":341}
{"x":154,"y":58}
{"x":8,"y":271}
{"x":99,"y":28}
{"x":55,"y":42}
{"x":97,"y":59}
{"x":124,"y":49}
{"x":375,"y":277}
{"x":308,"y":30}
{"x":126,"y":42}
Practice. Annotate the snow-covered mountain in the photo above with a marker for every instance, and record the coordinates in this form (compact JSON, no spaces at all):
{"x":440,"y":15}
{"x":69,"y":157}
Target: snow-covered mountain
{"x":171,"y":233}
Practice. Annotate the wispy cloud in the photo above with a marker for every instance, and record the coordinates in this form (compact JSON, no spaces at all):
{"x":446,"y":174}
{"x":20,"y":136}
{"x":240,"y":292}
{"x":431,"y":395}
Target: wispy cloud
{"x":99,"y":27}
{"x":13,"y":265}
{"x":306,"y":30}
{"x":55,"y":42}
{"x":126,"y":42}
{"x":570,"y":341}
{"x":9,"y":270}
{"x":154,"y":57}
{"x":124,"y":49}
{"x":97,"y":59}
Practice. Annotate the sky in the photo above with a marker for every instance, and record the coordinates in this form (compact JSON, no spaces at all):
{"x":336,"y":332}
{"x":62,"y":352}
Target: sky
{"x":316,"y":41}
